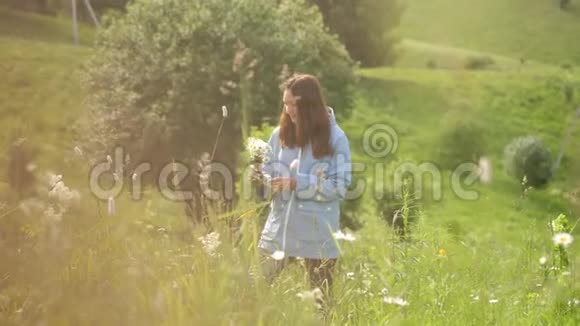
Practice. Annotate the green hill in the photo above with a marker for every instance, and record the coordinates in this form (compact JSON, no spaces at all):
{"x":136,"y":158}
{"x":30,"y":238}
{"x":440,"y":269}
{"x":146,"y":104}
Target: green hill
{"x":40,"y":96}
{"x":530,"y":29}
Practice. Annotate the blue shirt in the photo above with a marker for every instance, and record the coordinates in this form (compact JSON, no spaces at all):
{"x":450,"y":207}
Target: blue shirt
{"x":314,"y":211}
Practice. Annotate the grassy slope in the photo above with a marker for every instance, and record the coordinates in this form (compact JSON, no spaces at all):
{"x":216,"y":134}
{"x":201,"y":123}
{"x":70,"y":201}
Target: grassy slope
{"x":40,"y":96}
{"x":531,"y":29}
{"x":417,"y":103}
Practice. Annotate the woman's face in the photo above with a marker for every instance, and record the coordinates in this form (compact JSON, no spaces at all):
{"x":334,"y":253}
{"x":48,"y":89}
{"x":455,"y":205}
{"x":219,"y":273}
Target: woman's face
{"x":290,"y":105}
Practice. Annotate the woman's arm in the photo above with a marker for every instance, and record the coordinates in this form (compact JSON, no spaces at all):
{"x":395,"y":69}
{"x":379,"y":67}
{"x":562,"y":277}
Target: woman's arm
{"x":334,"y":184}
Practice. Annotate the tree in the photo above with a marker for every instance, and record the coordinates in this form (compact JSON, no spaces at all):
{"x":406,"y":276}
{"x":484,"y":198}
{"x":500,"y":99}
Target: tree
{"x":366,"y":27}
{"x":564,"y":4}
{"x":162,"y":72}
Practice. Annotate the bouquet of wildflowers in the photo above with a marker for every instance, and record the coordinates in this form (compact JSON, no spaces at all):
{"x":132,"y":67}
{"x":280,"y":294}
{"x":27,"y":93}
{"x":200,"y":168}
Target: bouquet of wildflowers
{"x":259,"y":153}
{"x":259,"y":150}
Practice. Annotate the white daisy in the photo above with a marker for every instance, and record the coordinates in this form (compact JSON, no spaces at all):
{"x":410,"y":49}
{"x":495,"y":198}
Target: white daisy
{"x":563,"y":239}
{"x":543,"y":260}
{"x":493,"y":301}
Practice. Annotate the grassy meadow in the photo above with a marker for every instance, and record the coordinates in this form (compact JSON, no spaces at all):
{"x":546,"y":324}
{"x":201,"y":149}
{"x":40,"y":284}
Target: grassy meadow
{"x":465,"y":263}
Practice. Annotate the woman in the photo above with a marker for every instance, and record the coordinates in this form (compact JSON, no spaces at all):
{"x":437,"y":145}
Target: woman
{"x":308,"y":174}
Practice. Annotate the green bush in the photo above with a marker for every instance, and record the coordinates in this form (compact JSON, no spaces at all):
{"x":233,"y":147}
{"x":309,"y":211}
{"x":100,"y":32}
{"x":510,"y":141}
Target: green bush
{"x":462,"y":140}
{"x":479,"y":63}
{"x":366,"y":27}
{"x":432,"y":64}
{"x":161,"y":73}
{"x":400,"y":208}
{"x":527,"y":156}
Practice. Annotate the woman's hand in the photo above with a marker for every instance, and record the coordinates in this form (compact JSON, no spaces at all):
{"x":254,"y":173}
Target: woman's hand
{"x":281,"y":184}
{"x":256,"y":176}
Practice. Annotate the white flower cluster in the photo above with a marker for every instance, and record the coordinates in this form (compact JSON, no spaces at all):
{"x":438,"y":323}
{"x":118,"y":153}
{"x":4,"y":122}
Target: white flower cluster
{"x":259,"y":150}
{"x":339,"y":235}
{"x":61,"y":193}
{"x":61,"y":197}
{"x":210,"y":243}
{"x":314,"y":297}
{"x":396,"y":301}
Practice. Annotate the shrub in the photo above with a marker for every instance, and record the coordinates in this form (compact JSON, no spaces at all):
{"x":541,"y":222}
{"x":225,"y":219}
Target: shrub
{"x":366,"y":27}
{"x":400,"y":210}
{"x":462,"y":140}
{"x":431,"y":64}
{"x":527,"y":156}
{"x":479,"y":63}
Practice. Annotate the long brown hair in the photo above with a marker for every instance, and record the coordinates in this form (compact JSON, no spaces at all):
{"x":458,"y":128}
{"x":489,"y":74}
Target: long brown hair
{"x":313,"y":121}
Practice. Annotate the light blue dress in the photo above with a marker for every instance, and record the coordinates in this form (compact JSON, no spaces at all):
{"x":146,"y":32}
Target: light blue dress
{"x":314,"y":212}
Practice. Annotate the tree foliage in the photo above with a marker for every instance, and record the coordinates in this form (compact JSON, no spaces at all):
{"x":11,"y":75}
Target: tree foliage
{"x":366,"y":27}
{"x":161,"y":73}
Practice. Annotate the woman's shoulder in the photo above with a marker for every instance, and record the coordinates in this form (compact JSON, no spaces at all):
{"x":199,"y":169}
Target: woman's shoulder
{"x":275,"y":133}
{"x":337,"y":134}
